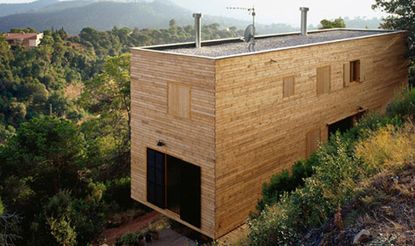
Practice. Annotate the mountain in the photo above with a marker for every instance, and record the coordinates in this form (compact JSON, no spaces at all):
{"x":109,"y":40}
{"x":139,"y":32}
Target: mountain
{"x":16,"y":8}
{"x":75,"y":15}
{"x":104,"y":15}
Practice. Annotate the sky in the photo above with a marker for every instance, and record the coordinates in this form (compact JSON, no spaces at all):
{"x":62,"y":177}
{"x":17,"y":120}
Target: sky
{"x":287,"y":11}
{"x":278,"y":11}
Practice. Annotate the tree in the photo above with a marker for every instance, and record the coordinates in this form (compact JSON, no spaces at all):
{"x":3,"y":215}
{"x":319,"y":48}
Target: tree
{"x":328,"y":24}
{"x":402,"y":17}
{"x":44,"y":157}
{"x":23,"y":30}
{"x":49,"y":149}
{"x":107,"y":96}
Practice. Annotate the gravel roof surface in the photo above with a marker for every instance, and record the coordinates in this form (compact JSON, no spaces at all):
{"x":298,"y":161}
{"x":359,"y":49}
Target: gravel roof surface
{"x":239,"y":47}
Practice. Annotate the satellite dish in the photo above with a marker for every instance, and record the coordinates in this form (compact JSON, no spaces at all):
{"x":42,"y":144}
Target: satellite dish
{"x":249,"y":37}
{"x":249,"y":34}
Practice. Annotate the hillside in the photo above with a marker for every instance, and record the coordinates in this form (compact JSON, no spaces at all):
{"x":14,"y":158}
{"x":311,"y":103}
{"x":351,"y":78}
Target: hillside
{"x":73,"y":16}
{"x":99,"y":15}
{"x":383,"y":213}
{"x":356,"y":189}
{"x":15,"y":8}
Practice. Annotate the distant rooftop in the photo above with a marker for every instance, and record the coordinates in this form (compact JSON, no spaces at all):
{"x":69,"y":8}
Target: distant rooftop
{"x":236,"y":46}
{"x":20,"y":36}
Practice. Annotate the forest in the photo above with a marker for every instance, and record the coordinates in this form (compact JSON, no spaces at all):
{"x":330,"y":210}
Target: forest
{"x":64,"y":132}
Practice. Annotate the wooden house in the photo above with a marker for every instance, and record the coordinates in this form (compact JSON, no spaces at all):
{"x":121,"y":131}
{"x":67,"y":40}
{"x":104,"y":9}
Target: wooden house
{"x":211,"y":124}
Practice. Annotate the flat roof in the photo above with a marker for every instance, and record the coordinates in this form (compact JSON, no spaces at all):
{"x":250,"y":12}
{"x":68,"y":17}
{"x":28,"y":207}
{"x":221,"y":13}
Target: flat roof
{"x":223,"y":48}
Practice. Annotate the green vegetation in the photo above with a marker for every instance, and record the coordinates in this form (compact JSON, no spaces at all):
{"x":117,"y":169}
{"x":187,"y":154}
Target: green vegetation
{"x":402,"y":17}
{"x":1,"y":207}
{"x":65,"y":136}
{"x":336,"y":23}
{"x":378,"y":143}
{"x":286,"y":182}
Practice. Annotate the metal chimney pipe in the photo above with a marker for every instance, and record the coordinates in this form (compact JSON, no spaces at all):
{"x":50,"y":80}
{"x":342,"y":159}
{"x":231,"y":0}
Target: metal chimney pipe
{"x":198,"y":29}
{"x":304,"y":11}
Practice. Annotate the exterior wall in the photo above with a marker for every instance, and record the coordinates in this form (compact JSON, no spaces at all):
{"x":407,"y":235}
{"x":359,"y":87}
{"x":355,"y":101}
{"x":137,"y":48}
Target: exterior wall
{"x":39,"y":38}
{"x":191,"y":140}
{"x":259,"y":133}
{"x":32,"y":42}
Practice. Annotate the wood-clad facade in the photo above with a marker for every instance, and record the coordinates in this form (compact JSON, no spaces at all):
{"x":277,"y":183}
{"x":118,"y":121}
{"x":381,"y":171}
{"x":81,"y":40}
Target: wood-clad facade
{"x":243,"y":118}
{"x":189,"y":136}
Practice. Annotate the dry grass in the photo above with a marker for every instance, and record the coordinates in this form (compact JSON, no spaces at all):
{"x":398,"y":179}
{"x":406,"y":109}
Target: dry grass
{"x":389,"y":147}
{"x":73,"y":91}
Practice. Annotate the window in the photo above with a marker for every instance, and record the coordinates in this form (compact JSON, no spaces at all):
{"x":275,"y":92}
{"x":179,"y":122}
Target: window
{"x":288,"y":86}
{"x":323,"y":80}
{"x":351,"y":72}
{"x":355,"y":71}
{"x":179,"y":100}
{"x":156,"y":172}
{"x":175,"y":185}
{"x":313,"y":139}
{"x":345,"y":124}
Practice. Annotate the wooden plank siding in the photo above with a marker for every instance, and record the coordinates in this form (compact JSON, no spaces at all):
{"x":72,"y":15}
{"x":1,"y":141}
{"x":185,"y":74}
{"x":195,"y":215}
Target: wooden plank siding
{"x":241,"y":129}
{"x":259,"y":133}
{"x":189,"y":137}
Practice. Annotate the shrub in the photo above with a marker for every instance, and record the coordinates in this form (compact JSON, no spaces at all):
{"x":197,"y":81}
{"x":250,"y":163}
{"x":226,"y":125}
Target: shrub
{"x":62,"y":231}
{"x":130,"y":239}
{"x":335,"y":178}
{"x":370,"y":123}
{"x":118,"y":191}
{"x":286,"y":182}
{"x":81,"y":218}
{"x":403,"y":105}
{"x":388,"y":147}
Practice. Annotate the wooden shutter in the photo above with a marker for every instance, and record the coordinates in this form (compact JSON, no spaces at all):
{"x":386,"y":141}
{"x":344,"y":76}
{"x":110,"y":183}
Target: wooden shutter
{"x":156,"y":176}
{"x":288,"y":86}
{"x":313,"y":139}
{"x":346,"y":74}
{"x":179,"y":100}
{"x":363,"y":70}
{"x":323,"y":80}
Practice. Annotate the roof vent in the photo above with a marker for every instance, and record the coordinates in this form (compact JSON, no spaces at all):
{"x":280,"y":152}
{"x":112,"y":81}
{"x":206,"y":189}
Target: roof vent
{"x":304,"y":11}
{"x":198,"y":29}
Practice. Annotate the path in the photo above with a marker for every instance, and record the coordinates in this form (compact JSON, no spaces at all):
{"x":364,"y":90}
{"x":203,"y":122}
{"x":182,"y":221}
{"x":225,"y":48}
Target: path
{"x":135,"y":225}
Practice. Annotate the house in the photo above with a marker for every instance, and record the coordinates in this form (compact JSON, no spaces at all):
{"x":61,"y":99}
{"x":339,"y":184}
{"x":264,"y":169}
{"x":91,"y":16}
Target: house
{"x":28,"y":40}
{"x":211,"y":124}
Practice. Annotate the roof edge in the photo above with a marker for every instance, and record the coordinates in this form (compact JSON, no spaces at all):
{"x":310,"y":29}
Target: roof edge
{"x":161,"y":48}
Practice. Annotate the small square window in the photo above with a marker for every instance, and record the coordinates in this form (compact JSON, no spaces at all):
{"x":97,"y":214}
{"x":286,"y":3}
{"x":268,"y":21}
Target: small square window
{"x":288,"y":86}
